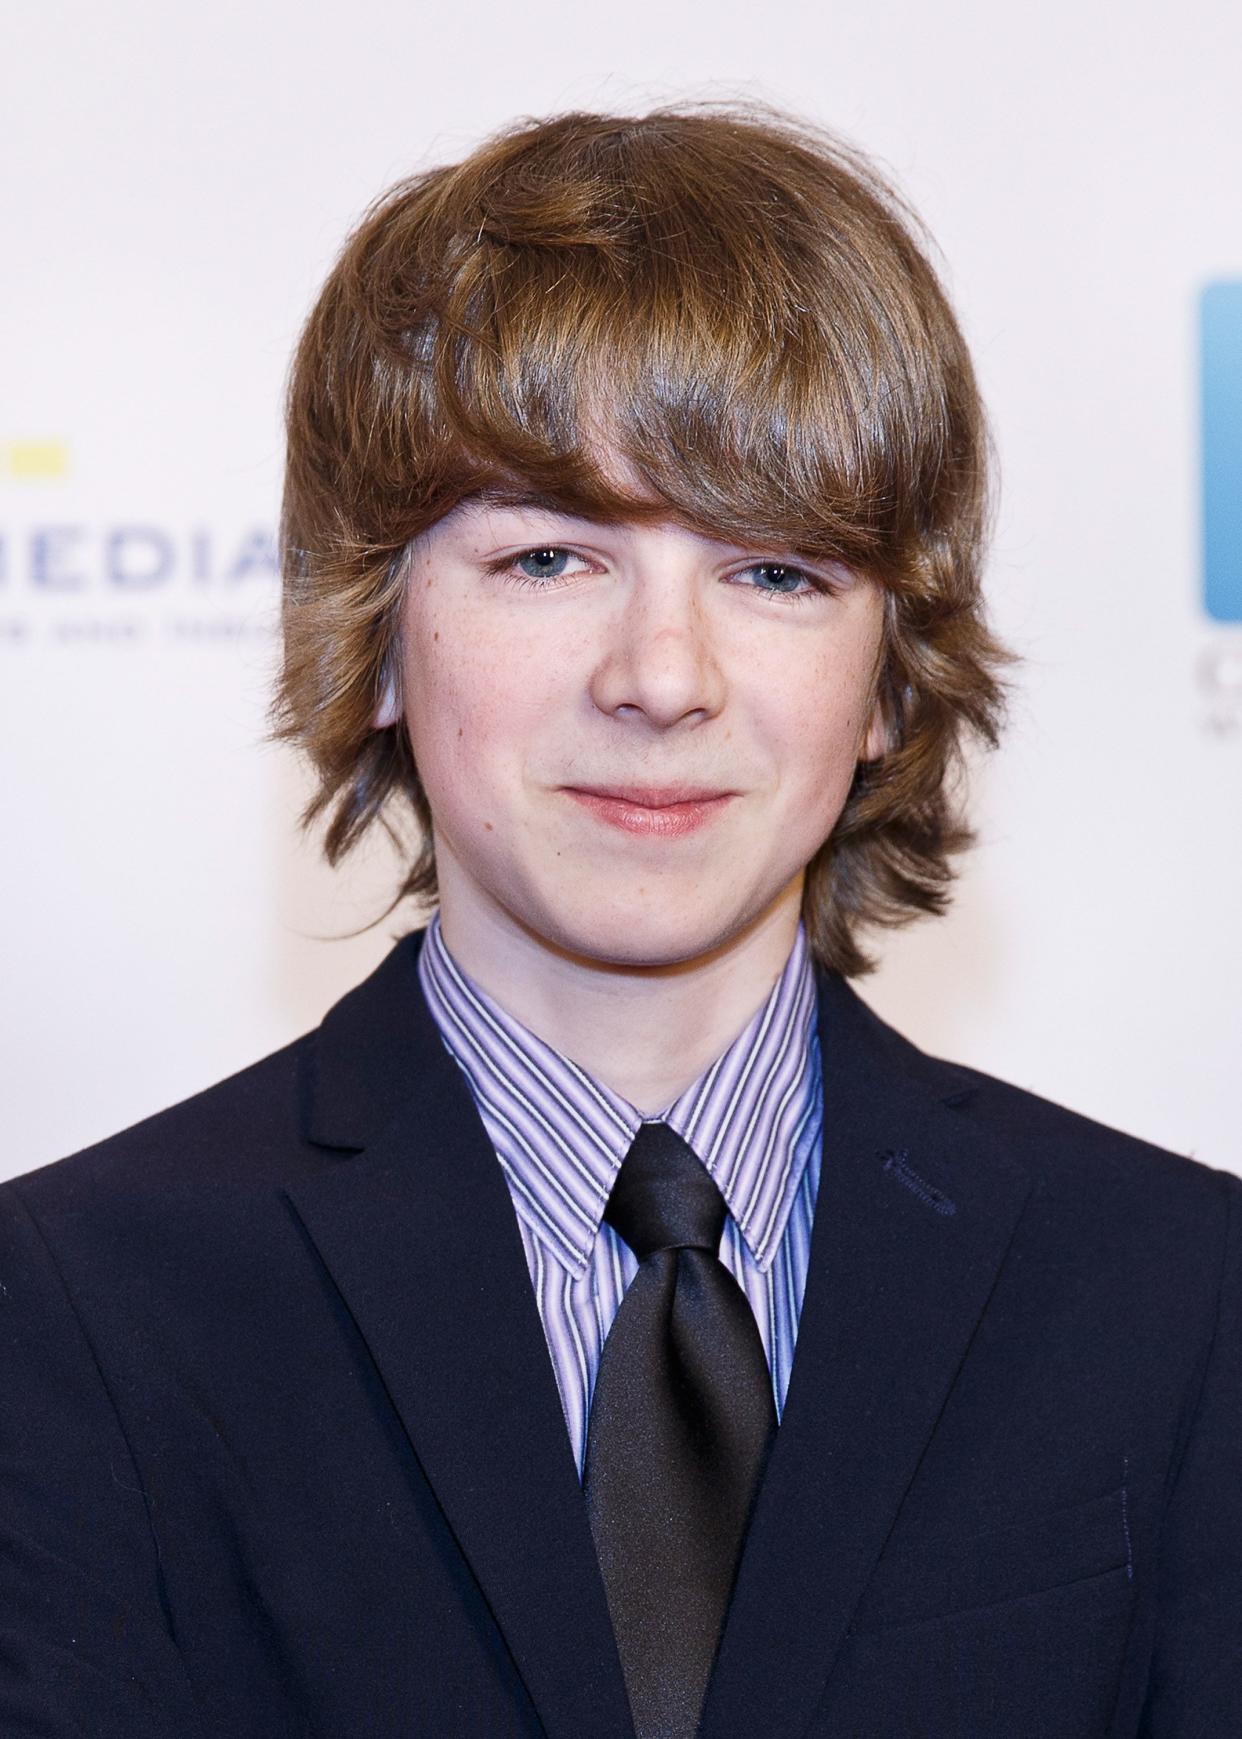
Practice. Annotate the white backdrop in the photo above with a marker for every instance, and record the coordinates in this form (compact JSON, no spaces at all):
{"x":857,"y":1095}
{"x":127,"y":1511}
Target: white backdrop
{"x":175,"y":184}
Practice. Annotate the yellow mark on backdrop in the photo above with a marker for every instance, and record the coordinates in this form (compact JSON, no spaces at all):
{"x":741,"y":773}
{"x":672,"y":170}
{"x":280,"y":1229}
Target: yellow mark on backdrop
{"x":34,"y":460}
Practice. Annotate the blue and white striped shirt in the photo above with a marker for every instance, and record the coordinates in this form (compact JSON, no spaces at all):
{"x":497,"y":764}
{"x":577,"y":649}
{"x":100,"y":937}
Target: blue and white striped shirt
{"x":754,"y":1118}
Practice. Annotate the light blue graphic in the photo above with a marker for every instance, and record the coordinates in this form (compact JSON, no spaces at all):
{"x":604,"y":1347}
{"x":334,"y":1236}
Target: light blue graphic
{"x":1220,"y":354}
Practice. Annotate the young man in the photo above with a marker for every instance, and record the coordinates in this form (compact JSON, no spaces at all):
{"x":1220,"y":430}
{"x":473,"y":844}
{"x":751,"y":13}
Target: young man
{"x":603,"y":1324}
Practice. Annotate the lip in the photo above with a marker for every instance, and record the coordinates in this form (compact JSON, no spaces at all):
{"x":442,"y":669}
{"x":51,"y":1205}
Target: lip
{"x":658,"y":811}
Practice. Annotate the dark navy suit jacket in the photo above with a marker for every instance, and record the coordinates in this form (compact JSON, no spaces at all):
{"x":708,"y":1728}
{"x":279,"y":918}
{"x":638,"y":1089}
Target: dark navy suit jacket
{"x":281,"y":1451}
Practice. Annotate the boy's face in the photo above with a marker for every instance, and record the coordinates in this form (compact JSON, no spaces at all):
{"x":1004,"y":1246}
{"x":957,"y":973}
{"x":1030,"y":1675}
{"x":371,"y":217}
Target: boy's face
{"x":632,"y":737}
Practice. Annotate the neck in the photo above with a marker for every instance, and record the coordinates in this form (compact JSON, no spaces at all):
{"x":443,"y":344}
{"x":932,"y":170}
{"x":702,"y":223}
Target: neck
{"x":647,"y":1032}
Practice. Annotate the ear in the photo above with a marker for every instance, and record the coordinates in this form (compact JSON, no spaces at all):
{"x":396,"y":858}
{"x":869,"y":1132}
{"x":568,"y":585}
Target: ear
{"x":388,"y":711}
{"x":877,"y":741}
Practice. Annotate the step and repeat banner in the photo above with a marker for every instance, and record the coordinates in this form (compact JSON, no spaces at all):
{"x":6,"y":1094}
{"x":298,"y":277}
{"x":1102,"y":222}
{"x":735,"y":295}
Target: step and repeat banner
{"x":174,"y":189}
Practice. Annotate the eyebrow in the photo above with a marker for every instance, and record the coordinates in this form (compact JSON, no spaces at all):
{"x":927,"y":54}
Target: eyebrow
{"x":499,"y":496}
{"x":514,"y":497}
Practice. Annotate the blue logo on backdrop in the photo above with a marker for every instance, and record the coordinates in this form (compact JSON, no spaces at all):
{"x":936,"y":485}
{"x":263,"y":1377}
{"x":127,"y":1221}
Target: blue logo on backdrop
{"x":1220,"y":353}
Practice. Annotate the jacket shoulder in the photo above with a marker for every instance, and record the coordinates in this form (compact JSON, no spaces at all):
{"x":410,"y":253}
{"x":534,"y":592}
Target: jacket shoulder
{"x":248,"y":1124}
{"x":1059,"y":1143}
{"x":258,"y":1128}
{"x":1068,"y":1155}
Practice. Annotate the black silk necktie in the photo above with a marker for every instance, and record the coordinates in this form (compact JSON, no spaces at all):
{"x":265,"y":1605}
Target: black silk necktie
{"x":681,"y":1422}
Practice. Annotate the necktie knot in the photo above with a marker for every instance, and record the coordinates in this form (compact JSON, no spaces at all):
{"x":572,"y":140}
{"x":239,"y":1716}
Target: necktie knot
{"x":663,"y":1198}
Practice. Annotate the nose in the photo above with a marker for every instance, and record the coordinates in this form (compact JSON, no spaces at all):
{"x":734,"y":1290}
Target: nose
{"x":660,"y":661}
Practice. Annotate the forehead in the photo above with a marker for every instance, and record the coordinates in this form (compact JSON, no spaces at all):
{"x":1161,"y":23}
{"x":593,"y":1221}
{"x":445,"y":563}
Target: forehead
{"x":612,"y":495}
{"x":482,"y":520}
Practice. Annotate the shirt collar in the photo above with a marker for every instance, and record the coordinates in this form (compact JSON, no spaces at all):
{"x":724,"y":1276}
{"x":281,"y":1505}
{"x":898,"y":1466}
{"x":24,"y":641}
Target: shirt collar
{"x":561,"y":1135}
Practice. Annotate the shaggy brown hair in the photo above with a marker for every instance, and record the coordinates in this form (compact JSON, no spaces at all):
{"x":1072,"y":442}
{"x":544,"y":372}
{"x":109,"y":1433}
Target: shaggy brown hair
{"x":745,"y":305}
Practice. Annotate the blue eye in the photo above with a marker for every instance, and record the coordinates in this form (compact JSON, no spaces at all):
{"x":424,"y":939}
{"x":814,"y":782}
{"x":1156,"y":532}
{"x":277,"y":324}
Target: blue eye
{"x":779,"y":579}
{"x":542,"y":564}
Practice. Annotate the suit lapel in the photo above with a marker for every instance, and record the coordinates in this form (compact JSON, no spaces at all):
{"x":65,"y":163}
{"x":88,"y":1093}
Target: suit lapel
{"x":413,"y":1220}
{"x":419,"y":1235}
{"x":914,"y":1214}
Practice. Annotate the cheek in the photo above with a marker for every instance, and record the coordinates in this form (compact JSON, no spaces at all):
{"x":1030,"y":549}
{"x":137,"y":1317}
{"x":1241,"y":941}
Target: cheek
{"x":445,"y":682}
{"x":470,"y":704}
{"x":818,"y":725}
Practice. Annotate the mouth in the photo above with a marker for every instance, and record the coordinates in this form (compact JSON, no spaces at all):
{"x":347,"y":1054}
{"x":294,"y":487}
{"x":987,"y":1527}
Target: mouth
{"x":658,"y":811}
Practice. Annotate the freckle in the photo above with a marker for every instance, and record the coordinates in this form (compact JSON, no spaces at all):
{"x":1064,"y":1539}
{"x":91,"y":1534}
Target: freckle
{"x":461,"y":730}
{"x":488,"y":828}
{"x":436,"y":635}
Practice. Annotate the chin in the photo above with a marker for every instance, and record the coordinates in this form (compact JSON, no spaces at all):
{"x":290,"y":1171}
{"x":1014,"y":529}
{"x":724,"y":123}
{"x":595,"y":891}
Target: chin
{"x":637,"y":934}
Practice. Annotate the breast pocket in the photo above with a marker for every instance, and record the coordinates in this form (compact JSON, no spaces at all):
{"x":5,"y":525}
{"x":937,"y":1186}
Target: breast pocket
{"x":959,"y":1571}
